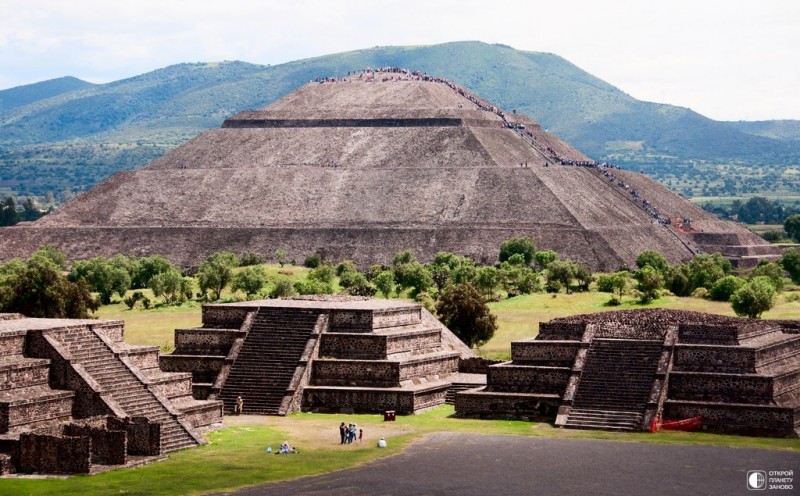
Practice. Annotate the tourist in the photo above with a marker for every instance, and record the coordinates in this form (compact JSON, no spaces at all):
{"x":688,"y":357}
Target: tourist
{"x":343,"y":432}
{"x":382,"y":443}
{"x":237,"y":409}
{"x":361,"y":437}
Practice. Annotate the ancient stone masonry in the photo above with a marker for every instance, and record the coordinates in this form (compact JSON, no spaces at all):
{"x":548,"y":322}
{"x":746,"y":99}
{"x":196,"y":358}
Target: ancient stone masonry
{"x":320,"y":354}
{"x":75,"y":398}
{"x":620,"y":370}
{"x":365,"y":167}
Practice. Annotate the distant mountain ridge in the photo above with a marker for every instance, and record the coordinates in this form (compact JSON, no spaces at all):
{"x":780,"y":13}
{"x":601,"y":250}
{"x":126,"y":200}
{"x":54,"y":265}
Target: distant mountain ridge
{"x":73,"y":139}
{"x":23,"y":95}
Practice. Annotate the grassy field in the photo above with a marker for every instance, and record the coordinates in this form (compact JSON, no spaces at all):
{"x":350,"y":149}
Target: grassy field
{"x":236,"y":457}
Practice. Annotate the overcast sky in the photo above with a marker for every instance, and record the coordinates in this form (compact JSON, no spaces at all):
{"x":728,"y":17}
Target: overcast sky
{"x":728,"y":60}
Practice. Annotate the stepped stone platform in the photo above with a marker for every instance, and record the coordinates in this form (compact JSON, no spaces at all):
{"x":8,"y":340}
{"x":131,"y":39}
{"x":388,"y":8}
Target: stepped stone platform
{"x":74,"y":398}
{"x":326,"y":354}
{"x":620,"y":370}
{"x":367,"y":165}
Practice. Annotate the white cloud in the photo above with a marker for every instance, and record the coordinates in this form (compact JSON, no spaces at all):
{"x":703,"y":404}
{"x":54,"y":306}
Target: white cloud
{"x":728,"y":60}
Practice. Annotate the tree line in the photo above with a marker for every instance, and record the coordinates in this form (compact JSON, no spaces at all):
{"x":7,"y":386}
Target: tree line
{"x":454,"y":287}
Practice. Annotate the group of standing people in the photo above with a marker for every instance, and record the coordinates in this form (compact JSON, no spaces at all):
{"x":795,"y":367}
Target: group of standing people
{"x":349,"y":433}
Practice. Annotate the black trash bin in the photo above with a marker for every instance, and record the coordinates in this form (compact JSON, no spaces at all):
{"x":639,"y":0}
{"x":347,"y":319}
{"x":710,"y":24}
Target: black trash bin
{"x":388,"y":416}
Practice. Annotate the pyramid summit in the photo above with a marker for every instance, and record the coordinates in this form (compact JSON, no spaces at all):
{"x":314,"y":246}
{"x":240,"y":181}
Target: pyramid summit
{"x":366,"y":165}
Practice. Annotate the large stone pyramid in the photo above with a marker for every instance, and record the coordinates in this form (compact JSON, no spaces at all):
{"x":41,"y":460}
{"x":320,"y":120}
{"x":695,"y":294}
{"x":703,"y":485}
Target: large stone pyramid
{"x":364,"y":166}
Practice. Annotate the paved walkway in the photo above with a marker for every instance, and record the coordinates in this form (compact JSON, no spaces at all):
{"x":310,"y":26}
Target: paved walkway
{"x":470,"y":464}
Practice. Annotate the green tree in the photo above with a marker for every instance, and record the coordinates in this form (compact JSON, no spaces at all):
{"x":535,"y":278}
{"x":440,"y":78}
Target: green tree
{"x":650,"y":282}
{"x":791,"y":263}
{"x":543,"y":258}
{"x":486,"y":281}
{"x":149,"y":267}
{"x":410,"y":274}
{"x":102,"y":276}
{"x":754,"y":298}
{"x":792,"y":227}
{"x":250,"y":258}
{"x":385,"y":283}
{"x":171,"y":285}
{"x":344,"y":267}
{"x":215,"y":272}
{"x":250,"y":280}
{"x":462,"y":309}
{"x":678,"y":280}
{"x":324,"y":273}
{"x":283,"y":288}
{"x":280,"y":256}
{"x":53,"y":254}
{"x":706,"y":269}
{"x":653,"y":259}
{"x":358,"y":285}
{"x":584,"y":277}
{"x":523,"y":246}
{"x":8,"y":212}
{"x":725,"y":287}
{"x":41,"y":290}
{"x":774,"y":271}
{"x":560,"y":274}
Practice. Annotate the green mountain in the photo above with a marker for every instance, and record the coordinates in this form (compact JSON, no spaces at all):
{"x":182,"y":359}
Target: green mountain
{"x":30,"y":93}
{"x":779,"y":129}
{"x":73,"y":140}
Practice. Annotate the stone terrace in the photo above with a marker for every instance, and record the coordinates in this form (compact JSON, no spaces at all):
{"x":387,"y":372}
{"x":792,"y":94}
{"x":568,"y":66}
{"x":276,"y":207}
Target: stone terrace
{"x":74,"y":387}
{"x":620,"y":370}
{"x":320,"y":354}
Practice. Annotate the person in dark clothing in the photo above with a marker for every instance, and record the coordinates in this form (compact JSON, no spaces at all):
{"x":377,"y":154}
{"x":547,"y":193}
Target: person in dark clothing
{"x":343,"y":432}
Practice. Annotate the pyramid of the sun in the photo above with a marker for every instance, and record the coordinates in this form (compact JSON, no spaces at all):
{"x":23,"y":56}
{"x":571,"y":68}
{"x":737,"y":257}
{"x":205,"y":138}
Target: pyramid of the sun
{"x":365,"y":166}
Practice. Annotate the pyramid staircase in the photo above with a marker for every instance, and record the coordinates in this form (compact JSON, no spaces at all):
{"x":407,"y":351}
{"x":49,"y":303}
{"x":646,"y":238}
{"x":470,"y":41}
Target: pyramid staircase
{"x":267,"y":361}
{"x":615,"y":384}
{"x":128,"y":390}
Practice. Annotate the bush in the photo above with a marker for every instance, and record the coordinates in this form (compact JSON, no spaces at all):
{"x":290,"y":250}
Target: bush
{"x":651,"y":258}
{"x":791,"y":264}
{"x":773,"y":236}
{"x":543,"y":258}
{"x":283,"y":289}
{"x":313,"y":287}
{"x":324,"y":273}
{"x":754,"y":298}
{"x":313,"y":261}
{"x":700,"y":293}
{"x":523,"y":246}
{"x":462,"y":310}
{"x":650,"y":282}
{"x":133,"y":299}
{"x":250,"y":280}
{"x":250,"y":258}
{"x":725,"y":287}
{"x":384,"y":282}
{"x":774,"y":271}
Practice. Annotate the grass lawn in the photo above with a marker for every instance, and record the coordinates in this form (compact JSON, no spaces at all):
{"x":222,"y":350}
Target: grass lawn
{"x":236,"y":457}
{"x":518,"y":318}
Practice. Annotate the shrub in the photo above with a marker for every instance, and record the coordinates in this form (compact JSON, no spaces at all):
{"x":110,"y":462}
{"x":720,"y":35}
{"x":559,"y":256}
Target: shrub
{"x":313,"y":261}
{"x":283,"y":288}
{"x":772,"y":270}
{"x":462,"y":309}
{"x":250,"y":258}
{"x":725,"y":287}
{"x":754,"y":298}
{"x":523,"y":246}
